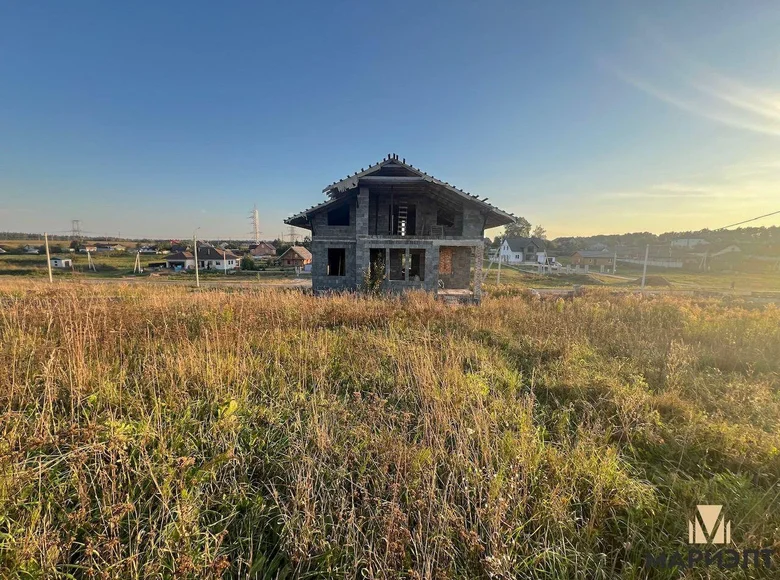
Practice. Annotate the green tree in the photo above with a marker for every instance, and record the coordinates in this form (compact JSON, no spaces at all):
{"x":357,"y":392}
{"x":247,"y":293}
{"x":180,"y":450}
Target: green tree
{"x":539,"y":232}
{"x":520,"y":228}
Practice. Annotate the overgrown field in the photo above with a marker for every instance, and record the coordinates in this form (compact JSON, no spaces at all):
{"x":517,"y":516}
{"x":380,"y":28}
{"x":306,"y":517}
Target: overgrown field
{"x":150,"y":432}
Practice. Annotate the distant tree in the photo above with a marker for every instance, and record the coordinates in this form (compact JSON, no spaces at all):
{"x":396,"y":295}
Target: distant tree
{"x":306,"y":243}
{"x":520,"y":228}
{"x":281,"y":246}
{"x":539,"y":232}
{"x":75,"y":244}
{"x":247,"y":263}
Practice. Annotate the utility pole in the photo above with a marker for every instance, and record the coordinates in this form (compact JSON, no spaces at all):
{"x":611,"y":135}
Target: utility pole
{"x":90,"y":263}
{"x":195,"y":249}
{"x":48,"y":256}
{"x":614,"y":262}
{"x":644,"y":269}
{"x":498,"y":273}
{"x":137,"y":265}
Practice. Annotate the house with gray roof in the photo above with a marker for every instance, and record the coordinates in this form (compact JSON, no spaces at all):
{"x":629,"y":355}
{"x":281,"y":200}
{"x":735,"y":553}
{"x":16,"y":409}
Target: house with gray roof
{"x":523,"y":250}
{"x":400,"y":227}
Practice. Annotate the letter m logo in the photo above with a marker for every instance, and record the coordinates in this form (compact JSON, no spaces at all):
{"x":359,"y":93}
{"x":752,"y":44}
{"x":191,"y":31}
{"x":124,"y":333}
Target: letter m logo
{"x":709,"y":526}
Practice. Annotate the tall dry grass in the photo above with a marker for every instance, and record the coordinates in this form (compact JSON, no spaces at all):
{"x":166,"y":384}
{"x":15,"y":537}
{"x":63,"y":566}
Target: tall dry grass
{"x":168,"y":433}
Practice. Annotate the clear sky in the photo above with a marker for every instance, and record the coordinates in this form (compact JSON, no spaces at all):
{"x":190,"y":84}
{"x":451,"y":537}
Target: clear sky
{"x":153,"y":118}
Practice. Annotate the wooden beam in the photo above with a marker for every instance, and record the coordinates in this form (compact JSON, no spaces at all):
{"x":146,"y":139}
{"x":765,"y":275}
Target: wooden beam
{"x":391,"y":179}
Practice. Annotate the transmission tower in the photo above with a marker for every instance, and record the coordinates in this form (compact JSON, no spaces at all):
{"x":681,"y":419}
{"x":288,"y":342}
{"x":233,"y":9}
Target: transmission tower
{"x":75,"y":229}
{"x":254,"y":217}
{"x":293,"y":236}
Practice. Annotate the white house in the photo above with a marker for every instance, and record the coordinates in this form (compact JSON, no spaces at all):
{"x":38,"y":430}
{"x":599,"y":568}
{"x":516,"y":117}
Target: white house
{"x":57,"y":262}
{"x":180,"y":261}
{"x":523,"y":250}
{"x":211,"y":258}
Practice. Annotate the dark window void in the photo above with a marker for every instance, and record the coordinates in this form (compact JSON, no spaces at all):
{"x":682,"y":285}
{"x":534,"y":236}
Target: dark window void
{"x":445,"y":217}
{"x":339,"y":216}
{"x":378,"y":262}
{"x":416,"y":265}
{"x":405,"y":266}
{"x":337,"y":262}
{"x":404,"y":219}
{"x":397,"y":264}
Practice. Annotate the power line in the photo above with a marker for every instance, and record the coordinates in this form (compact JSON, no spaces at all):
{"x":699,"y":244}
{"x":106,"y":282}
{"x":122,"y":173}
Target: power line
{"x":746,"y":221}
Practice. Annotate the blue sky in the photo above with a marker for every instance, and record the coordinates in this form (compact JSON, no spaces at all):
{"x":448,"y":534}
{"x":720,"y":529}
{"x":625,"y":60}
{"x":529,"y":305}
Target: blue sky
{"x":153,"y":118}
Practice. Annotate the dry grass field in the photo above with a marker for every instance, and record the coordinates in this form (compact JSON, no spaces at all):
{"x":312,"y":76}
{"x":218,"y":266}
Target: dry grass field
{"x":151,"y":432}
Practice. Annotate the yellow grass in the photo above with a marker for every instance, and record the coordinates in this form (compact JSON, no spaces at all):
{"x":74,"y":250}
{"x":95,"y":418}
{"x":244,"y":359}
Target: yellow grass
{"x":163,"y":432}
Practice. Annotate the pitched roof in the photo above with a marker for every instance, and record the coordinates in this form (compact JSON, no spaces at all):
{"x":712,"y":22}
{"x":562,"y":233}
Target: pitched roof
{"x":212,"y":253}
{"x":520,"y":244}
{"x":262,"y":249}
{"x":393,"y":168}
{"x":179,"y":256}
{"x":300,"y":250}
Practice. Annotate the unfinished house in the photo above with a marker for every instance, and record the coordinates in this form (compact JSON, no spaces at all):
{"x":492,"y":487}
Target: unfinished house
{"x":404,"y":227}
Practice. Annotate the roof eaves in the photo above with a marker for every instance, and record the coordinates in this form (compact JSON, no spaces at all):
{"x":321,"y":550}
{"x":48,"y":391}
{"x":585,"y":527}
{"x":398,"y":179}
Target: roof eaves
{"x":351,"y":181}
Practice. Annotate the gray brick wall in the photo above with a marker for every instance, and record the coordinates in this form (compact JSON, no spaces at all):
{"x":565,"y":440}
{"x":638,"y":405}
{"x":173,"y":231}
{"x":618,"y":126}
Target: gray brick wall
{"x":321,"y":229}
{"x":369,"y":216}
{"x":473,"y":223}
{"x":319,"y":270}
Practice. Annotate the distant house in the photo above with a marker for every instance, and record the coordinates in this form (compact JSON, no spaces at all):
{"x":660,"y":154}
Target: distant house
{"x":57,"y":262}
{"x":31,"y":250}
{"x":297,"y":256}
{"x":262,"y":250}
{"x":86,"y":249}
{"x":110,"y":248}
{"x":2,"y":251}
{"x":180,"y":260}
{"x":688,"y":242}
{"x":592,"y":258}
{"x":148,"y":250}
{"x":211,"y":258}
{"x":519,"y":250}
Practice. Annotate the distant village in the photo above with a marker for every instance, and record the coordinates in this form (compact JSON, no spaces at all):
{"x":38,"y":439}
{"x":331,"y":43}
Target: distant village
{"x":175,"y":255}
{"x":740,"y":250}
{"x":394,"y":227}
